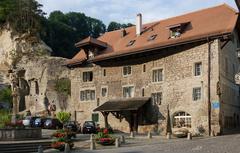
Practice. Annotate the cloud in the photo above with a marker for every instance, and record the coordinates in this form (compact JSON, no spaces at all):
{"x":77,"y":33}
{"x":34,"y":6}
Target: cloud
{"x":124,"y":11}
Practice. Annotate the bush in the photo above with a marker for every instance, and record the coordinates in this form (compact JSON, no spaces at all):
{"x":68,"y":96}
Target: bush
{"x":5,"y":117}
{"x":63,"y":117}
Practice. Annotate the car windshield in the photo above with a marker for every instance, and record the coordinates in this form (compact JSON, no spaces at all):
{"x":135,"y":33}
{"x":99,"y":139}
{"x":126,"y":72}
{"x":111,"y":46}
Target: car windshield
{"x":38,"y":120}
{"x":48,"y":121}
{"x":89,"y":124}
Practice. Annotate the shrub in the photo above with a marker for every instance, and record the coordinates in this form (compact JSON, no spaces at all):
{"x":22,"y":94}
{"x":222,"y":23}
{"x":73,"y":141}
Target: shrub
{"x":63,"y":116}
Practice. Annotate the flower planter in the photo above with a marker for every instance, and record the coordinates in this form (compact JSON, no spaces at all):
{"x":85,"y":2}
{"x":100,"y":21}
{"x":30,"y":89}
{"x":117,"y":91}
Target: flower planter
{"x":105,"y":141}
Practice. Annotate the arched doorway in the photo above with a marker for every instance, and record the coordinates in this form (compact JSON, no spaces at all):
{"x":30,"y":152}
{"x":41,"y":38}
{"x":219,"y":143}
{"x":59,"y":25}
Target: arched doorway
{"x":182,"y":119}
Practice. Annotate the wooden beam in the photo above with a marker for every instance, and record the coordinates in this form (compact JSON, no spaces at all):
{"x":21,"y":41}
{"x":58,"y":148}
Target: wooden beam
{"x":105,"y":114}
{"x":238,"y":4}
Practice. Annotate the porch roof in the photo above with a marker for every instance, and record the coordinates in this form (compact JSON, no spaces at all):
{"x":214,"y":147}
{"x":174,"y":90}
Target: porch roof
{"x":117,"y":105}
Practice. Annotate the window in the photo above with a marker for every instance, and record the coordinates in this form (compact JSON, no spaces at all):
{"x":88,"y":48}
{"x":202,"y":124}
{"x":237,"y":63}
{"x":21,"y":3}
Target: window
{"x":87,"y":76}
{"x":143,"y":92}
{"x":104,"y":92}
{"x":127,"y":70}
{"x":130,"y":43}
{"x":174,"y":33}
{"x":196,"y":94}
{"x":182,"y":119}
{"x":104,"y":72}
{"x":95,"y":117}
{"x":177,"y":29}
{"x":198,"y":69}
{"x":157,"y":98}
{"x":144,"y":68}
{"x":152,"y":37}
{"x":128,"y":92}
{"x":157,"y":75}
{"x":87,"y":95}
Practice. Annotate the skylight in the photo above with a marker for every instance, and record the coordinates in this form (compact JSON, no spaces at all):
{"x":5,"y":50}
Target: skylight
{"x":130,"y":43}
{"x":152,"y":37}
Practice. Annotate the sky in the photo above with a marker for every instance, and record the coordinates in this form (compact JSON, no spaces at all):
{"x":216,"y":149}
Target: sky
{"x":124,"y":11}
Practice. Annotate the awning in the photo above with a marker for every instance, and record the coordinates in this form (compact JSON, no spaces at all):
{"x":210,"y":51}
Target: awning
{"x":122,"y":104}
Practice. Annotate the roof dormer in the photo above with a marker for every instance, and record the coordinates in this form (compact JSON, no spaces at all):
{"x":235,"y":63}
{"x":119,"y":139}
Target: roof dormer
{"x":91,"y":46}
{"x":176,"y":30}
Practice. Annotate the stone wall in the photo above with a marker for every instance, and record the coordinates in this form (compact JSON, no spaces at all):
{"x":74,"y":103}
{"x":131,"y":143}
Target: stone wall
{"x":230,"y":95}
{"x":177,"y":85}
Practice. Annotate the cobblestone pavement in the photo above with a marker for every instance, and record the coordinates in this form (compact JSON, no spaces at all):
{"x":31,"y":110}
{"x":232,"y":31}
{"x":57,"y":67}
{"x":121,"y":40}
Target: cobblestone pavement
{"x":221,"y":144}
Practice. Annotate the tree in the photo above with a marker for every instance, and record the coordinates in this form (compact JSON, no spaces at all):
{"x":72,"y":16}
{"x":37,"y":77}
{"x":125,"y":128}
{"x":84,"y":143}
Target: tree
{"x":115,"y":26}
{"x":63,"y":117}
{"x":22,"y":15}
{"x":6,"y":95}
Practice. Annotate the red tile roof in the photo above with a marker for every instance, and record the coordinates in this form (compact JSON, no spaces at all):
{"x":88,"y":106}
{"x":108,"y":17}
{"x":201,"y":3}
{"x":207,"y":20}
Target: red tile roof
{"x":204,"y":23}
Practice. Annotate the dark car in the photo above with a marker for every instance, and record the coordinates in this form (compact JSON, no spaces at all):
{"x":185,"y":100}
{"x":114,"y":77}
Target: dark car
{"x":52,"y":123}
{"x":32,"y":121}
{"x":39,"y":122}
{"x":89,"y":127}
{"x":73,"y":126}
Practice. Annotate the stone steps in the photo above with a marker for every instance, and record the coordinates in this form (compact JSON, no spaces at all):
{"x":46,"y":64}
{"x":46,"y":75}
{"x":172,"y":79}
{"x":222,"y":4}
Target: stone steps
{"x":23,"y":147}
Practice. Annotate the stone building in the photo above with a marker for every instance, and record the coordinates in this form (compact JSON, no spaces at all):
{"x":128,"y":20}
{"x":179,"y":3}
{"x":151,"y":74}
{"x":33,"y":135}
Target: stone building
{"x":161,"y":76}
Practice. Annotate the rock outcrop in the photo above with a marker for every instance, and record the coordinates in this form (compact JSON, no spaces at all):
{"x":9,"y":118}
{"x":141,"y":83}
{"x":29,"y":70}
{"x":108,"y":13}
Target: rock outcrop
{"x":40,"y":71}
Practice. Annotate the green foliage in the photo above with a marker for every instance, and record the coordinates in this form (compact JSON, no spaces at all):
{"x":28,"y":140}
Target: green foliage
{"x":6,"y":95}
{"x":22,"y":15}
{"x":5,"y":117}
{"x":115,"y":26}
{"x":63,"y":86}
{"x":62,"y":31}
{"x":63,"y":116}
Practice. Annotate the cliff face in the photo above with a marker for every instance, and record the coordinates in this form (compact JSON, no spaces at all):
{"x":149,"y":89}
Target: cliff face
{"x":41,"y":71}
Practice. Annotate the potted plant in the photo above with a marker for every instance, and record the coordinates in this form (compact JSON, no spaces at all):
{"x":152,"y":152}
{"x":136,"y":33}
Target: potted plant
{"x":60,"y":138}
{"x":103,"y":137}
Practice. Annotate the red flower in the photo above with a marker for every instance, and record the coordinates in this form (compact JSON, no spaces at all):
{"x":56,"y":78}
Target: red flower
{"x":105,"y":131}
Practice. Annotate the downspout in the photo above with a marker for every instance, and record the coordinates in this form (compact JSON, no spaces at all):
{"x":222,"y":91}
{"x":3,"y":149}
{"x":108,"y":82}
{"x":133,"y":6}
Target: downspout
{"x":209,"y":85}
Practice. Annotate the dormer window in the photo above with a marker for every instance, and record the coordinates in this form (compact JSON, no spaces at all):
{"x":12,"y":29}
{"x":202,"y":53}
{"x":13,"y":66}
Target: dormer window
{"x":177,"y":30}
{"x":152,"y":37}
{"x":90,"y":54}
{"x":130,"y":43}
{"x":174,"y":33}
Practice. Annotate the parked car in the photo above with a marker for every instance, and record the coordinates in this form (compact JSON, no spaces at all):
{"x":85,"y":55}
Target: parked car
{"x":27,"y":121}
{"x":32,"y":121}
{"x":89,"y":127}
{"x":39,"y":122}
{"x":73,"y":126}
{"x":52,"y":123}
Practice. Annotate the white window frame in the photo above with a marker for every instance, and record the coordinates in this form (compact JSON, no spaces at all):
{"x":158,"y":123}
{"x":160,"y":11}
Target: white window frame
{"x":155,"y":101}
{"x":85,"y":94}
{"x":125,"y":75}
{"x":193,"y":94}
{"x":185,"y":118}
{"x":128,"y":86}
{"x":195,"y":70}
{"x":156,"y":69}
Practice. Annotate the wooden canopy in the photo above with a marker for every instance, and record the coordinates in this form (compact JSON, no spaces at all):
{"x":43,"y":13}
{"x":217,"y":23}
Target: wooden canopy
{"x":129,"y":104}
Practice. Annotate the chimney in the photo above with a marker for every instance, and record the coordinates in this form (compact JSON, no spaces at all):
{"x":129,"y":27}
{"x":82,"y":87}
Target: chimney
{"x":123,"y":32}
{"x":139,"y":24}
{"x":238,"y":4}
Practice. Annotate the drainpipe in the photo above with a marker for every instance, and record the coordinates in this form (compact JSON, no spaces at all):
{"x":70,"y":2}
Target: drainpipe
{"x":209,"y":85}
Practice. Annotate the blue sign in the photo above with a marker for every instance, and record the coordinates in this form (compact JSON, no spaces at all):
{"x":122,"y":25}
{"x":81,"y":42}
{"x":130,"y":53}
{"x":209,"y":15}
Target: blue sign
{"x":215,"y":105}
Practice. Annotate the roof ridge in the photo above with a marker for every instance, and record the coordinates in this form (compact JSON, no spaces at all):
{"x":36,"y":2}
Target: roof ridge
{"x":230,"y":7}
